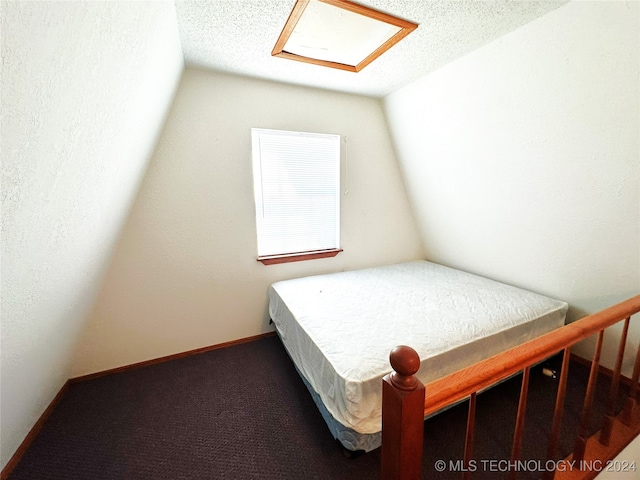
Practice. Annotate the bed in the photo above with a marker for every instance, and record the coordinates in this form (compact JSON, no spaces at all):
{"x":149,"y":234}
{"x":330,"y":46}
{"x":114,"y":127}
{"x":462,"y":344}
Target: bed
{"x":339,"y":329}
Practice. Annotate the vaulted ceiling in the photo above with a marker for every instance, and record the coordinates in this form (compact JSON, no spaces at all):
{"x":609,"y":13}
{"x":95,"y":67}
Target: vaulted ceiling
{"x":237,"y":36}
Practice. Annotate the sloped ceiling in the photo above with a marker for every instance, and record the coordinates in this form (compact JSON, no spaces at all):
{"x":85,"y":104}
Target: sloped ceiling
{"x":237,"y":36}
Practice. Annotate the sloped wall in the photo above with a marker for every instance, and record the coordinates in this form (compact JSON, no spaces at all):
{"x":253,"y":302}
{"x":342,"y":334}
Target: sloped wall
{"x":185,"y":274}
{"x":522,"y":159}
{"x":85,"y":88}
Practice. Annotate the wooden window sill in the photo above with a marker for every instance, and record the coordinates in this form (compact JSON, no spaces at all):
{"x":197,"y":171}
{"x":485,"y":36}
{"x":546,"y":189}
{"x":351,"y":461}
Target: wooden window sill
{"x":298,"y":257}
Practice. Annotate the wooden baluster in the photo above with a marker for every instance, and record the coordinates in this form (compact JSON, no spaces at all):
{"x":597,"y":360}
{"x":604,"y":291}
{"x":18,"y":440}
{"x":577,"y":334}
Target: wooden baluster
{"x":468,"y":443}
{"x":556,"y":425}
{"x":402,"y":417}
{"x":519,"y":430}
{"x":607,"y":423}
{"x":632,"y":401}
{"x":583,"y":432}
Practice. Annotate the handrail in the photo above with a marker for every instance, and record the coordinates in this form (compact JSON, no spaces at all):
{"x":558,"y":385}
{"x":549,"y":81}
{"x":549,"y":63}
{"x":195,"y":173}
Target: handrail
{"x":616,"y":432}
{"x":458,"y":385}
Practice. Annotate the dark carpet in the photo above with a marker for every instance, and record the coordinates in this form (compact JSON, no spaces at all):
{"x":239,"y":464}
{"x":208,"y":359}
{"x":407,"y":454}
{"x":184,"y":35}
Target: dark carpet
{"x":243,"y":412}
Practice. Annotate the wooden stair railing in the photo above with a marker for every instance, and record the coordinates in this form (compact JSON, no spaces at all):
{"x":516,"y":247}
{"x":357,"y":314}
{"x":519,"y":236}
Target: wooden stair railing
{"x":402,"y":427}
{"x":403,"y":419}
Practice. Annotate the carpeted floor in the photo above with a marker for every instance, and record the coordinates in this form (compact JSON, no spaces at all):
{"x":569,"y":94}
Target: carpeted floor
{"x":242,"y":412}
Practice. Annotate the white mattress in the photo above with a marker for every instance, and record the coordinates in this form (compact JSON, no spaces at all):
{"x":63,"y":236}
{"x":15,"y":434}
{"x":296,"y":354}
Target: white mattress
{"x":339,"y":328}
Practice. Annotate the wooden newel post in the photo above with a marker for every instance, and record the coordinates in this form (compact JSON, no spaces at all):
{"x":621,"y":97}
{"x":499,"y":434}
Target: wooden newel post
{"x":402,"y":417}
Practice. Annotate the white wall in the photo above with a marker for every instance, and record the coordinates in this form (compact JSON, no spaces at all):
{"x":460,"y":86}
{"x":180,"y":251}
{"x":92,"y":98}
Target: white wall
{"x":185,"y":273}
{"x":521,"y":159}
{"x":626,"y":463}
{"x":85,"y":88}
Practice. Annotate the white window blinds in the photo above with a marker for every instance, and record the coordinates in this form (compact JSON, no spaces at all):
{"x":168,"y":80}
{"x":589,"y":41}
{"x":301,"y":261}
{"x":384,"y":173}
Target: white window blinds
{"x":297,"y":191}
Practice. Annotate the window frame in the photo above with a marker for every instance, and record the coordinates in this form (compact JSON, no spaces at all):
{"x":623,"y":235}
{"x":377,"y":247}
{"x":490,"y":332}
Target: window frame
{"x":257,"y":167}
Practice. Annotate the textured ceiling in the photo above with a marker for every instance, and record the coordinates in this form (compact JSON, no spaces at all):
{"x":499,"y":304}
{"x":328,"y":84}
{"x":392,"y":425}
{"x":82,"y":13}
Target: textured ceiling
{"x":237,"y":36}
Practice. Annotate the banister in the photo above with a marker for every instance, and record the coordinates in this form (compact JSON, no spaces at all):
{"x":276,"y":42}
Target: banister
{"x":399,"y":464}
{"x":460,"y":384}
{"x":402,"y":420}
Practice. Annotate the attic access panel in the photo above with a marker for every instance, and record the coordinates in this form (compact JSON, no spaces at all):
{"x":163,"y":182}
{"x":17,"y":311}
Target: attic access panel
{"x":339,"y":34}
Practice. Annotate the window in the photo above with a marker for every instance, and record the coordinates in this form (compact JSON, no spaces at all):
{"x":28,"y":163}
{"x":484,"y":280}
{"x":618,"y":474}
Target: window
{"x":296,"y":179}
